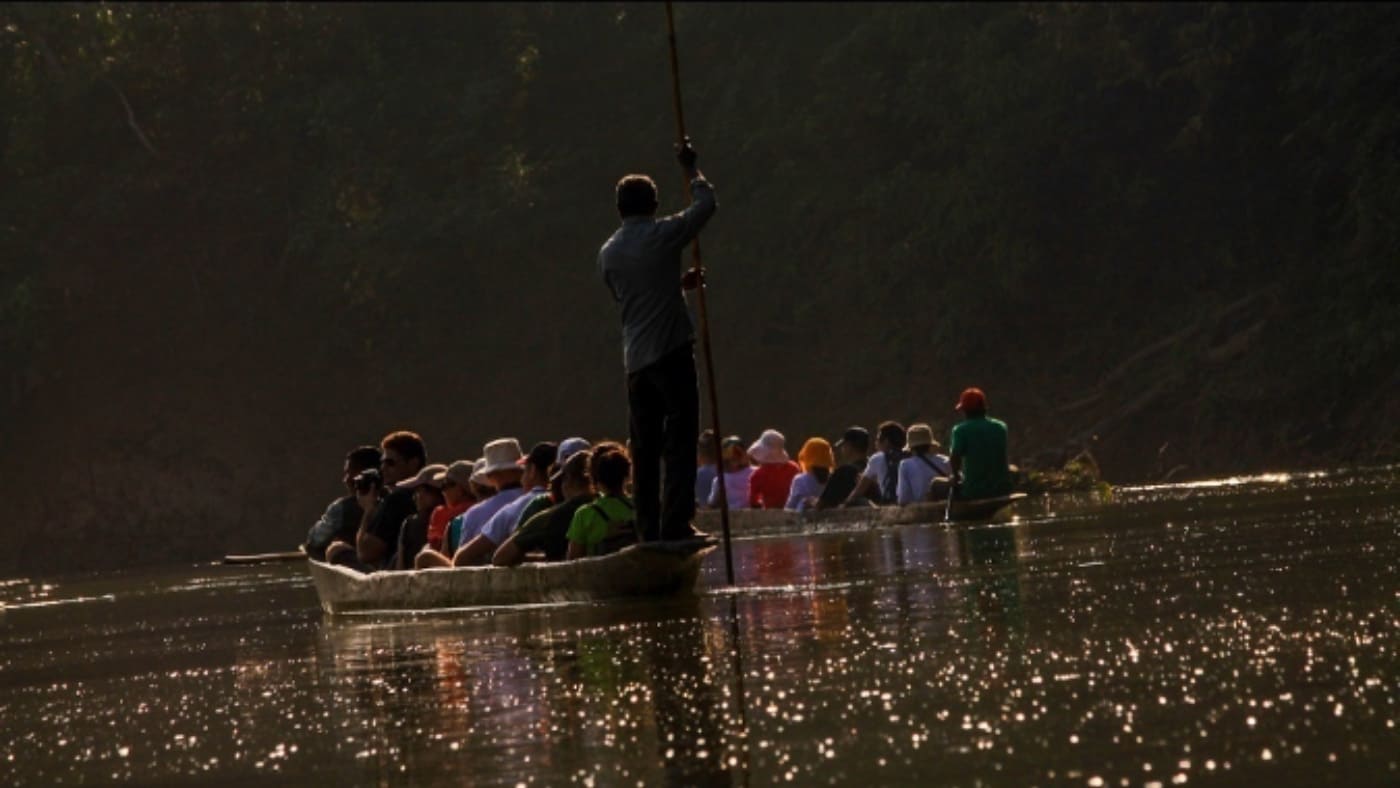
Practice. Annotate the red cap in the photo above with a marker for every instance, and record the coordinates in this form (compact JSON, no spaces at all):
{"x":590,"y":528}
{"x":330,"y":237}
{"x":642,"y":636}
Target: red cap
{"x":971,"y":399}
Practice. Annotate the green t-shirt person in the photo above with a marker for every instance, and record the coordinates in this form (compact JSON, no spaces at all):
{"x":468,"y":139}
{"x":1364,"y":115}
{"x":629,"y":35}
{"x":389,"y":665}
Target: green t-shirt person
{"x":981,"y":443}
{"x":594,"y":523}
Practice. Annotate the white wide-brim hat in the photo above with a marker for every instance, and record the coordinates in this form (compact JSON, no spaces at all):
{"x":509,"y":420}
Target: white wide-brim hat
{"x":770,"y":447}
{"x":502,"y":455}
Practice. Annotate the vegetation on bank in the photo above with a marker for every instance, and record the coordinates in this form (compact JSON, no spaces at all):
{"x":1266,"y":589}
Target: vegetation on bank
{"x":237,"y":239}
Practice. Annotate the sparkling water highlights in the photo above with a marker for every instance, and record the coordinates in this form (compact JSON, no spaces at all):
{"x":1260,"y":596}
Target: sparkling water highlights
{"x":1182,"y":635}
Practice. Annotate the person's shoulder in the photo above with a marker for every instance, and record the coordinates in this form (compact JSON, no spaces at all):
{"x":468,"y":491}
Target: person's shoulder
{"x":998,"y":423}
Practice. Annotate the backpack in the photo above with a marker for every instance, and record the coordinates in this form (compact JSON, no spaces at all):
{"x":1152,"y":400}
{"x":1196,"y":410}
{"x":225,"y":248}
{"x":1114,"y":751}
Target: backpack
{"x":621,"y":533}
{"x":890,"y":484}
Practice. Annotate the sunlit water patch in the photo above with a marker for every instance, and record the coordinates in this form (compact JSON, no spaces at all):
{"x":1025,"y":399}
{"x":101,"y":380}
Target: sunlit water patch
{"x":1227,"y":634}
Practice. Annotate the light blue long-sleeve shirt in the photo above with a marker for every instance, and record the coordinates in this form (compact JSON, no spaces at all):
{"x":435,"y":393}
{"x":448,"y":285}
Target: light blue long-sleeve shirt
{"x":641,"y":265}
{"x":915,"y":475}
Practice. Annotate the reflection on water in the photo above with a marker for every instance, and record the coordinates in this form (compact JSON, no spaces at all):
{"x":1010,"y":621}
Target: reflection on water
{"x":1235,"y":633}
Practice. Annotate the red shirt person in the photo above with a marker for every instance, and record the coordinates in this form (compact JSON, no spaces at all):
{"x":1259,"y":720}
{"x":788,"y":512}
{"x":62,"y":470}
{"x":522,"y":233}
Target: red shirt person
{"x":772,"y":479}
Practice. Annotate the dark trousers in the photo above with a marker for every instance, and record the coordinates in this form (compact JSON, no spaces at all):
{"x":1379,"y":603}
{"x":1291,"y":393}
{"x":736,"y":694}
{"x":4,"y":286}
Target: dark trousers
{"x":664,"y":412}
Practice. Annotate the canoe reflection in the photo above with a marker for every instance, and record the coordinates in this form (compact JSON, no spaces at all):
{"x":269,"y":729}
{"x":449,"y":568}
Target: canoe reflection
{"x":447,"y":696}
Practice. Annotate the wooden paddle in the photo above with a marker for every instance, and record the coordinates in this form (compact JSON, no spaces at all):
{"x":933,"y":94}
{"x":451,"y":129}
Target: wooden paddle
{"x":266,"y":558}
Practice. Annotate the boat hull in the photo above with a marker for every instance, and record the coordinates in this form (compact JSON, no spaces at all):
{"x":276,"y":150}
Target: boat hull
{"x":751,"y":521}
{"x":654,"y":569}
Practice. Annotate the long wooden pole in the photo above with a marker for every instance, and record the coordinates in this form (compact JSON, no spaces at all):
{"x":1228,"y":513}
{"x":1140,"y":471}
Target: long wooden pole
{"x":704,"y":315}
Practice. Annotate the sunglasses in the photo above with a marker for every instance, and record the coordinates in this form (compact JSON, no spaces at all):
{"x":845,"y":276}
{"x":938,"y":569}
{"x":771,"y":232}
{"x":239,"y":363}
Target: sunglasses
{"x":388,"y":462}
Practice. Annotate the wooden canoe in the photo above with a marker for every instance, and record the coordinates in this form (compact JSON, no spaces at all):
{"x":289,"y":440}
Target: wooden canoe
{"x":981,"y":508}
{"x":758,"y":521}
{"x":651,"y":569}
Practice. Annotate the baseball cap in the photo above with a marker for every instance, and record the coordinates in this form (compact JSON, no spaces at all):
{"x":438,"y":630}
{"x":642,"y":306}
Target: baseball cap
{"x":971,"y":399}
{"x":541,"y":455}
{"x":858,"y":437}
{"x":568,"y":447}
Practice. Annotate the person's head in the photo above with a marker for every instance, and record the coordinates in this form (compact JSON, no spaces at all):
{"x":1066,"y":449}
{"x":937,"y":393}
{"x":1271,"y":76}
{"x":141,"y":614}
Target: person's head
{"x":769,"y":449}
{"x":481,"y":486}
{"x":733,"y":454}
{"x":854,"y":445}
{"x":536,"y":465}
{"x":609,"y":467}
{"x":816,"y":453}
{"x":972,"y":403}
{"x":567,"y":448}
{"x":427,"y":495}
{"x":920,"y":440}
{"x":359,"y":459}
{"x":503,"y":462}
{"x":636,"y":196}
{"x":404,"y":456}
{"x":572,"y":477}
{"x":889,"y":436}
{"x":456,"y":482}
{"x":705,"y":453}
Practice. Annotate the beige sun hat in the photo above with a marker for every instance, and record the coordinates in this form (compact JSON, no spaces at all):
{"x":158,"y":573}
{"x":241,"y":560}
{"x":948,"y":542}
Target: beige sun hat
{"x":920,"y":435}
{"x":771,"y":446}
{"x":459,"y":472}
{"x":425,"y":476}
{"x":479,"y":472}
{"x":503,"y":454}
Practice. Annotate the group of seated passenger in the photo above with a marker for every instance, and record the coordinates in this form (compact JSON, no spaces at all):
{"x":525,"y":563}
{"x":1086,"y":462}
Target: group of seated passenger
{"x":570,"y":500}
{"x":559,"y":501}
{"x":906,"y":466}
{"x":901,"y":471}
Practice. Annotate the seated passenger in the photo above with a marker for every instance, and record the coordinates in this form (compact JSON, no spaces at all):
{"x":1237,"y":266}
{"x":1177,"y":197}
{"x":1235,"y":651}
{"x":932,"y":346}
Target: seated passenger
{"x":503,"y":471}
{"x":881,"y":477}
{"x":342,"y":518}
{"x":771,"y":481}
{"x":736,"y":475}
{"x":534,"y":480}
{"x":921,"y":467}
{"x":706,"y":467}
{"x":548,"y":531}
{"x":427,"y":496}
{"x":385,"y":507}
{"x":978,"y":449}
{"x":567,"y":448}
{"x":458,"y":497}
{"x":853,"y":448}
{"x":607,"y":523}
{"x":817,"y":460}
{"x":481,"y":491}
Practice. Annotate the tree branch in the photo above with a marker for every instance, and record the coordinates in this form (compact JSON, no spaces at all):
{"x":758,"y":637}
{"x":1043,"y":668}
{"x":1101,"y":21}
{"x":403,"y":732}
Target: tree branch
{"x":131,"y":117}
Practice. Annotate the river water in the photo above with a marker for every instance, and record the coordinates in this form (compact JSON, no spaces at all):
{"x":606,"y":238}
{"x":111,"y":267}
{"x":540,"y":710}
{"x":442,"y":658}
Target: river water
{"x":1238,"y":632}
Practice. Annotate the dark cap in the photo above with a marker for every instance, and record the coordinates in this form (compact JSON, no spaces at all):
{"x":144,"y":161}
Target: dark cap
{"x":576,"y":467}
{"x":541,"y":455}
{"x":858,"y":437}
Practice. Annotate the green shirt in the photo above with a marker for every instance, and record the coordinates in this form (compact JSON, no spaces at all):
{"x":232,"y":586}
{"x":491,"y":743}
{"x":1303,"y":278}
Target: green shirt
{"x":981,"y":442}
{"x":596,"y":521}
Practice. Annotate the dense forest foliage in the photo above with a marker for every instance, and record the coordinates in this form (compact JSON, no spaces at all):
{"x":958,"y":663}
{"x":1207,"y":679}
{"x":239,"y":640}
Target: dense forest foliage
{"x":236,"y":240}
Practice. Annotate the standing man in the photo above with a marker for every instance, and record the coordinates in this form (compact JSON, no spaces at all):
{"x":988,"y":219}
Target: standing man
{"x":978,"y":449}
{"x":641,"y":265}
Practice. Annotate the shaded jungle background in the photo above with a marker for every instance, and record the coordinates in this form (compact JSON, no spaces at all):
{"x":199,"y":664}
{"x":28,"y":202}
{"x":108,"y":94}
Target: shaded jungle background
{"x":236,"y":240}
